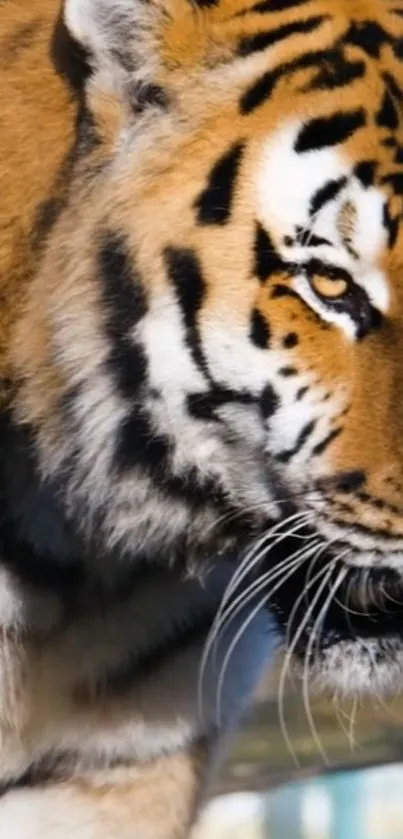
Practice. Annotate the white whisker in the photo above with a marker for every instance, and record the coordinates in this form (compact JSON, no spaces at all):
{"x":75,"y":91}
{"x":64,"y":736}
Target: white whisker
{"x":326,"y":570}
{"x":316,"y":630}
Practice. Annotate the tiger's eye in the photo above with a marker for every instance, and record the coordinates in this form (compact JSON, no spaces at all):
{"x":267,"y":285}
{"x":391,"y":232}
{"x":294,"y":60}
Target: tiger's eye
{"x":328,"y":287}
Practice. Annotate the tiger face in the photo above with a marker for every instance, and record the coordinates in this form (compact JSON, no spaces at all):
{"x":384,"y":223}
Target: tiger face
{"x":211,"y":346}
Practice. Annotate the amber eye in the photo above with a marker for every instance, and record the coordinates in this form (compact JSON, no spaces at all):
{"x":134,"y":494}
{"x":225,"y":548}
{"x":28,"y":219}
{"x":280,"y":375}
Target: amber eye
{"x":329,"y":287}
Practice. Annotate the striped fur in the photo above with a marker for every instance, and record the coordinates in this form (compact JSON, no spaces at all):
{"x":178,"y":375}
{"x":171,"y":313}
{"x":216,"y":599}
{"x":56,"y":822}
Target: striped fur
{"x":200,"y":334}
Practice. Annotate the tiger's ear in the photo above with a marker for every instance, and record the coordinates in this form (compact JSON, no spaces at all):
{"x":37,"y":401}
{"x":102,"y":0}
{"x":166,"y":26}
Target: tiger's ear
{"x":143,"y":37}
{"x":116,"y":34}
{"x":122,"y":43}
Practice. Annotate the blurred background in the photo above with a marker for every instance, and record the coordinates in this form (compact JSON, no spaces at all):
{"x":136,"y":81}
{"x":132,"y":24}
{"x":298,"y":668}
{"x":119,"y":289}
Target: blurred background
{"x":332,"y":770}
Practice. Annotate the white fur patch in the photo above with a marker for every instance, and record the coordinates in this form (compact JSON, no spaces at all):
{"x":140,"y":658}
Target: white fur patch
{"x":286,"y":183}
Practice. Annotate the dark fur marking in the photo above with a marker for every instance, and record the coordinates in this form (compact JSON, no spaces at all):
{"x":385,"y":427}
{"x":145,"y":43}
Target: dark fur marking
{"x":267,"y":6}
{"x":138,"y":444}
{"x":335,"y":73}
{"x":280,"y":290}
{"x":350,"y":481}
{"x":395,"y":180}
{"x":287,"y":455}
{"x":262,"y":89}
{"x":149,"y":95}
{"x":124,"y":304}
{"x":301,"y":392}
{"x":323,"y":132}
{"x":325,"y":194}
{"x":269,"y":402}
{"x":185,"y":274}
{"x":306,"y":237}
{"x":267,"y":260}
{"x":122,"y":292}
{"x":263,"y":40}
{"x":291,"y":340}
{"x":369,"y":36}
{"x":315,"y":241}
{"x":259,"y":330}
{"x":365,"y":172}
{"x":203,"y":406}
{"x":323,"y":445}
{"x":288,"y":372}
{"x":49,"y":210}
{"x":387,"y":116}
{"x":393,"y":86}
{"x":213,"y":206}
{"x":388,"y":142}
{"x":391,"y":225}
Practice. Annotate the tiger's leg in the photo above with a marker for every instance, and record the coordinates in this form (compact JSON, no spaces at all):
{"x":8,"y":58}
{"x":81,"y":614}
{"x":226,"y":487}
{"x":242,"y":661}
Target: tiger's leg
{"x":156,"y":801}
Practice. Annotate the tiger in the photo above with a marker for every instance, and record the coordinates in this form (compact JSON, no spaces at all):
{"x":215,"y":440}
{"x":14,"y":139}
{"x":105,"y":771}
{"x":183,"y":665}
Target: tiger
{"x":201,"y":260}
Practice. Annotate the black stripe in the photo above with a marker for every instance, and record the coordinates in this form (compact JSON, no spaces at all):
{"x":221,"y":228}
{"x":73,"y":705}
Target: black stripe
{"x":263,"y":40}
{"x":49,"y":210}
{"x":259,"y":330}
{"x":393,"y":86}
{"x":325,"y":194}
{"x":185,"y":274}
{"x":394,"y":180}
{"x":267,"y":6}
{"x":203,"y":406}
{"x":269,"y":402}
{"x":369,"y":36}
{"x":322,"y":446}
{"x":137,"y":444}
{"x":286,"y":455}
{"x":124,"y":304}
{"x":213,"y":206}
{"x":263,"y":88}
{"x":365,"y":172}
{"x":350,"y":481}
{"x":335,"y":73}
{"x":392,"y":226}
{"x":267,"y":260}
{"x":123,"y":293}
{"x":205,"y":4}
{"x":306,"y":237}
{"x":323,"y":132}
{"x":302,"y":392}
{"x":387,"y":115}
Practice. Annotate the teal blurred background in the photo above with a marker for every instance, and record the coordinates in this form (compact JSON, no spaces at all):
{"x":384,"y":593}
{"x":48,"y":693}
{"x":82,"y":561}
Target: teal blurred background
{"x":332,"y":771}
{"x":359,"y":804}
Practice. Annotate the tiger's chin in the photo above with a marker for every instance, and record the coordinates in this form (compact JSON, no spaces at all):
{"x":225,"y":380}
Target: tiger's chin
{"x":346,"y":636}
